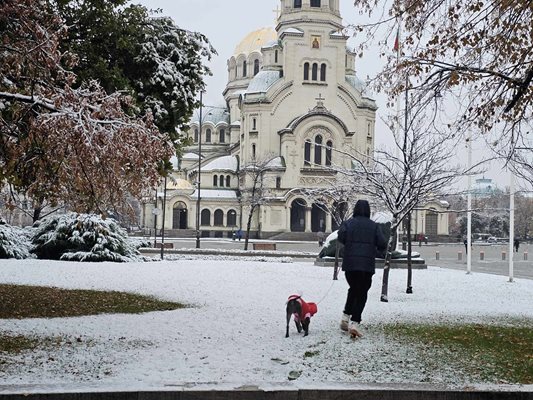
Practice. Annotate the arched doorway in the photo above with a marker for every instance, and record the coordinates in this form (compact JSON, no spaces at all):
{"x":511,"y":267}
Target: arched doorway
{"x":298,"y":215}
{"x":432,"y":218}
{"x":318,"y":218}
{"x":179,"y":216}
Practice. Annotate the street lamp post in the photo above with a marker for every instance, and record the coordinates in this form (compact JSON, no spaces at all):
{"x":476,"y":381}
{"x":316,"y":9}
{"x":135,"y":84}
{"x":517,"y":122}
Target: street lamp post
{"x":198,"y":178}
{"x":469,"y":211}
{"x":163,"y":218}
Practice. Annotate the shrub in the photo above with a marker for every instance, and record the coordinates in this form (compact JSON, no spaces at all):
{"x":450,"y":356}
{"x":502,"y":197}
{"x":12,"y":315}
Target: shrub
{"x":14,"y":242}
{"x":83,"y":237}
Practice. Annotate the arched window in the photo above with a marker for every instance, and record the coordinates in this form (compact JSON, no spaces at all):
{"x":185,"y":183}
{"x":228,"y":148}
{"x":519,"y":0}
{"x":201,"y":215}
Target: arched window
{"x":208,"y":136}
{"x":254,"y":124}
{"x":219,"y":218}
{"x":314,"y":74}
{"x":228,"y":181}
{"x":256,"y":67}
{"x":196,"y":136}
{"x":329,"y":147}
{"x":297,"y":3}
{"x":306,"y":71}
{"x":318,"y":150}
{"x":215,"y":180}
{"x":244,"y":67}
{"x":323,"y":73}
{"x":276,"y":56}
{"x":232,"y":218}
{"x":315,"y":3}
{"x":206,"y":217}
{"x":307,"y":152}
{"x":222,"y":136}
{"x":253,"y":151}
{"x":221,"y":181}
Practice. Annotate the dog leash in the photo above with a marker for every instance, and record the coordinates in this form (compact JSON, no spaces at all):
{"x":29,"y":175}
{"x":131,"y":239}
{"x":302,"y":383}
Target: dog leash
{"x":323,"y":297}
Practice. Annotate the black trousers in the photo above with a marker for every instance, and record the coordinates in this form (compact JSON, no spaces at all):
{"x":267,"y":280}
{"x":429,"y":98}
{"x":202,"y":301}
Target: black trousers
{"x":360,"y":283}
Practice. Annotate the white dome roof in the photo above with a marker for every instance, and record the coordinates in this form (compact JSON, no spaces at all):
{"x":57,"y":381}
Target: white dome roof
{"x":226,"y":163}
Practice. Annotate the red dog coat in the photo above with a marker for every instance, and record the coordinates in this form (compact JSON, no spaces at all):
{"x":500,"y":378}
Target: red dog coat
{"x":308,"y":309}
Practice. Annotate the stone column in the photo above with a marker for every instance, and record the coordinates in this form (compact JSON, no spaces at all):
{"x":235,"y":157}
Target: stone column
{"x":329,"y":222}
{"x":308,"y":219}
{"x":288,"y":219}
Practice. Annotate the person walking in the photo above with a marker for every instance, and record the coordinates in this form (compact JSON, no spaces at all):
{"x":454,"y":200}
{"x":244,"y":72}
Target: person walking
{"x":320,"y":235}
{"x":466,"y":245}
{"x":516,"y":244}
{"x":361,"y":238}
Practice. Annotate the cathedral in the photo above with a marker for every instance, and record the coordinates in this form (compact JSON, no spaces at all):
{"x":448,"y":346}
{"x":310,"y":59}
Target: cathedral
{"x":292,"y":97}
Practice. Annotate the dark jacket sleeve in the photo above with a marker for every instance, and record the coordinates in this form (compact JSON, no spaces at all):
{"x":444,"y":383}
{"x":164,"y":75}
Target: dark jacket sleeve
{"x":381,"y":242}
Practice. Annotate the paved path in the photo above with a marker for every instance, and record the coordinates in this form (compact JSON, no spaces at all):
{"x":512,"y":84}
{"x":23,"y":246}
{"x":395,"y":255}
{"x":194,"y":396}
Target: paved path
{"x":448,"y":254}
{"x":492,"y":263}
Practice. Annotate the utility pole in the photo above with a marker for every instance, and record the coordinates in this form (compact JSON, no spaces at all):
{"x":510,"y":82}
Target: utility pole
{"x":163,"y":217}
{"x":469,"y":211}
{"x":511,"y":227}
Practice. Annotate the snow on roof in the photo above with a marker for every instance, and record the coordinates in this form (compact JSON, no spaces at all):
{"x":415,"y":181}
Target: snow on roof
{"x":292,"y":30}
{"x":277,"y":162}
{"x":226,"y":163}
{"x":215,"y":194}
{"x":355,"y":82}
{"x":237,"y":122}
{"x":270,"y":44}
{"x":337,"y":34}
{"x":191,"y":156}
{"x":215,"y":115}
{"x":262,"y":81}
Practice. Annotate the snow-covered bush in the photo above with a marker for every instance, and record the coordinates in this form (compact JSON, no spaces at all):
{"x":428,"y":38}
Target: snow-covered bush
{"x":14,"y":242}
{"x":83,"y":237}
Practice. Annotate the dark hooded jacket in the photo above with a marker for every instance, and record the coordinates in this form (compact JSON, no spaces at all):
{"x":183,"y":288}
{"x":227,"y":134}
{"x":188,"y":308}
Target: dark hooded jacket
{"x":361,"y":237}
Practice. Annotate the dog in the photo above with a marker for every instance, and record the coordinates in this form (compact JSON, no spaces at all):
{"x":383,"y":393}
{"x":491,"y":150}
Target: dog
{"x":302,"y":312}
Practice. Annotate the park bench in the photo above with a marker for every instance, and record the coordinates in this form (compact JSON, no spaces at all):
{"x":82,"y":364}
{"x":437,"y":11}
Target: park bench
{"x":165,"y":245}
{"x":264,"y":246}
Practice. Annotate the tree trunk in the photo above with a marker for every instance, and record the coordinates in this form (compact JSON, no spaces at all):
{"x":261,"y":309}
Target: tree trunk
{"x":248,"y":226}
{"x":37,"y":210}
{"x":36,"y":213}
{"x":409,"y":289}
{"x":386,"y":267}
{"x":336,"y":267}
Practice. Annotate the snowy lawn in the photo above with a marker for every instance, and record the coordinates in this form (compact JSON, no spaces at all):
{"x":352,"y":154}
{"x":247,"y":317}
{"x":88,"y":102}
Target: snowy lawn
{"x":235,"y":333}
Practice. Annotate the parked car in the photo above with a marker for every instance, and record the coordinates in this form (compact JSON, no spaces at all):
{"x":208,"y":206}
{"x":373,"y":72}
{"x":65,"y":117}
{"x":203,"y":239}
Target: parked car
{"x":492,"y":239}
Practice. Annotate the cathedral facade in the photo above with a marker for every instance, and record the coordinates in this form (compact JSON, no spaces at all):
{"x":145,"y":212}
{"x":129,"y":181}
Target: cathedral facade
{"x":292,"y":98}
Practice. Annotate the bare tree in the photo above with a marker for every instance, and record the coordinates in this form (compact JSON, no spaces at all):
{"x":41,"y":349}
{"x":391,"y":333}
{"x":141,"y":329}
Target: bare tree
{"x":476,"y":54}
{"x":253,"y":188}
{"x":411,"y":173}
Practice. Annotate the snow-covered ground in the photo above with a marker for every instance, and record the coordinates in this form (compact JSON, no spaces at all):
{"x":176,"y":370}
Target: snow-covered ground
{"x":234,"y":333}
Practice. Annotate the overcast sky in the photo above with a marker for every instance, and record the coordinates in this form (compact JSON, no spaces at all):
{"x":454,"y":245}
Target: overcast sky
{"x":226,"y":23}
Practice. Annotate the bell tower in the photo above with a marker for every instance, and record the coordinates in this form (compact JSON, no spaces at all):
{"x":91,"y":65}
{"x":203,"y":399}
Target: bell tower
{"x":298,"y":13}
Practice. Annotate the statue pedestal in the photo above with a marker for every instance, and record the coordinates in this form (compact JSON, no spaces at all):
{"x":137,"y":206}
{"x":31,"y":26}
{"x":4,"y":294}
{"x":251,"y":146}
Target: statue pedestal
{"x":398,"y":263}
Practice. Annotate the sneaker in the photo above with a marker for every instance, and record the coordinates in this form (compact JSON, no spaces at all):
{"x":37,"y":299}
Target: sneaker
{"x":344,"y":322}
{"x":354,"y":329}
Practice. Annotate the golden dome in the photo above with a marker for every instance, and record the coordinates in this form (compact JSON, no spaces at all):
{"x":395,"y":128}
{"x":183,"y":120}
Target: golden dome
{"x":178,"y":184}
{"x":255,"y":40}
